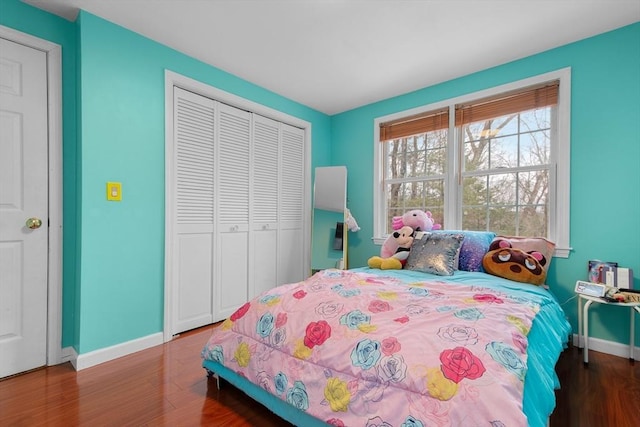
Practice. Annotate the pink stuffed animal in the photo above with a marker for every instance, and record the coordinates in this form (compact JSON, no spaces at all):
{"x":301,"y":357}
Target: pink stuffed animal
{"x":416,"y":219}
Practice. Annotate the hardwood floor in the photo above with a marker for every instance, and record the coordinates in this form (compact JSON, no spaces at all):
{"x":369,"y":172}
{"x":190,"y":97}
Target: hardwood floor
{"x":166,"y":386}
{"x":606,"y":394}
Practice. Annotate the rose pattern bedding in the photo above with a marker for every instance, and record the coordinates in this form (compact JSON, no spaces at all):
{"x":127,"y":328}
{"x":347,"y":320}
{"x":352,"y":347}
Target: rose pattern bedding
{"x":361,"y":349}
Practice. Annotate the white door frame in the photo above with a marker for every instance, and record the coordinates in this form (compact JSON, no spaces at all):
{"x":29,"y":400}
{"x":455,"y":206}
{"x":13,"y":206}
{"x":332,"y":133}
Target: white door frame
{"x":54,"y":128}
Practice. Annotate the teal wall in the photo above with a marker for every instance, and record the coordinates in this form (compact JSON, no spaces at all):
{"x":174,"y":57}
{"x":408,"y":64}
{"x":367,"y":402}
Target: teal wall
{"x":605,"y":159}
{"x":122,"y":139}
{"x":113,"y":112}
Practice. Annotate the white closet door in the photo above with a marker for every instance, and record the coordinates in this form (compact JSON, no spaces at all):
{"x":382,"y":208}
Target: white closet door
{"x":193,"y":241}
{"x":233,"y":172}
{"x":291,"y":210}
{"x":264,"y":260}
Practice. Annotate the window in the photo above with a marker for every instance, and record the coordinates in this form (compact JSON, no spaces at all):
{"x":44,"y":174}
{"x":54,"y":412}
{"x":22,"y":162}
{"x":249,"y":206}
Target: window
{"x":495,"y":160}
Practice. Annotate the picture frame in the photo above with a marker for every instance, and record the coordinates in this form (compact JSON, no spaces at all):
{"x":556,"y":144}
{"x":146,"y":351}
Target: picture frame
{"x":596,"y":270}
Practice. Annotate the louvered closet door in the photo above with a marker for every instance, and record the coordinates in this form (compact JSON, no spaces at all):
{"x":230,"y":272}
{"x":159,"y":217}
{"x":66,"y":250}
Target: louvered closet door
{"x":291,"y":207}
{"x":233,"y":172}
{"x":264,"y":260}
{"x":194,"y":218}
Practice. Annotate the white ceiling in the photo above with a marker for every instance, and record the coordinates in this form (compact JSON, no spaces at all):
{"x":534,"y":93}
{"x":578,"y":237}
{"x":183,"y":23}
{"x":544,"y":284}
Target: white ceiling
{"x":335,"y":55}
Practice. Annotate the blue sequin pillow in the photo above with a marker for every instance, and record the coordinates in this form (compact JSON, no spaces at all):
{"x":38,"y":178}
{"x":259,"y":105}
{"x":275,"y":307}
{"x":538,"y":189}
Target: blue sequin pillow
{"x":473,"y":248}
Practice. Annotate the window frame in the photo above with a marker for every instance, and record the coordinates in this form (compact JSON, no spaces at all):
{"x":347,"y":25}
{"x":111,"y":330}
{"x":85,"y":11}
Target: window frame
{"x":560,"y":156}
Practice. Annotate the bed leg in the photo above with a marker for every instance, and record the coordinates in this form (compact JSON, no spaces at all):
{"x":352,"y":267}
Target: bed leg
{"x":211,"y":374}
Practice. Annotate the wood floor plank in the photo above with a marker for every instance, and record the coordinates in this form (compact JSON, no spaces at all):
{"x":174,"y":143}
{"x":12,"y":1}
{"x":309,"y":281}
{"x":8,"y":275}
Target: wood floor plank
{"x":166,"y":386}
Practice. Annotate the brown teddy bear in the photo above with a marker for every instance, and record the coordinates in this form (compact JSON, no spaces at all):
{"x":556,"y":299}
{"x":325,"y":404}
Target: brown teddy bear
{"x":404,"y":238}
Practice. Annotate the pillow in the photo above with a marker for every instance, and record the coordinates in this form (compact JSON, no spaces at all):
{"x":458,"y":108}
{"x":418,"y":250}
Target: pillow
{"x":434,"y":253}
{"x":505,"y":260}
{"x":529,"y":244}
{"x":474,"y":245}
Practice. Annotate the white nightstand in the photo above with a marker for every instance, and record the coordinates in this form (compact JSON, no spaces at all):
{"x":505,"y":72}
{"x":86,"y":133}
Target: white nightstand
{"x":584,"y":302}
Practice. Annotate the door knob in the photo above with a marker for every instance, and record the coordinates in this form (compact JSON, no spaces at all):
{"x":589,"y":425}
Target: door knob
{"x":33,"y":223}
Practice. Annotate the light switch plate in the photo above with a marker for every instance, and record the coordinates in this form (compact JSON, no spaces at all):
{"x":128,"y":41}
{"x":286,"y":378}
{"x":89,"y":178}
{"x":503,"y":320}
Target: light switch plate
{"x":114,"y":191}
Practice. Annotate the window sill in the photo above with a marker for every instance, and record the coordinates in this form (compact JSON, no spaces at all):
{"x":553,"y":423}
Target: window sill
{"x":378,"y":240}
{"x":562,"y":252}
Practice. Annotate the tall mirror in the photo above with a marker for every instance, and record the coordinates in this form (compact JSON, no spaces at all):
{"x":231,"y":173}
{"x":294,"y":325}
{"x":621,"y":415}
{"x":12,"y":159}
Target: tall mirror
{"x":329,"y":233}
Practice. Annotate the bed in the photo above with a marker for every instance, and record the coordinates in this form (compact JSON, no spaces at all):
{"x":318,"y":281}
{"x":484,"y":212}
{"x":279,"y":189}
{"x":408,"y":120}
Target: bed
{"x":369,"y":347}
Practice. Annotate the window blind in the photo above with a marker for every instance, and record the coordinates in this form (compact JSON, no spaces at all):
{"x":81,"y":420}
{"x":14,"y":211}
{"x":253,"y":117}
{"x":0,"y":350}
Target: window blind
{"x":530,"y":98}
{"x":509,"y":103}
{"x":413,"y":125}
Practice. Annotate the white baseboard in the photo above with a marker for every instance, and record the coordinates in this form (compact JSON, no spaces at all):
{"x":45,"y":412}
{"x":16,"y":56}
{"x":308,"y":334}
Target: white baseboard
{"x":86,"y":360}
{"x":609,"y":347}
{"x":69,"y":355}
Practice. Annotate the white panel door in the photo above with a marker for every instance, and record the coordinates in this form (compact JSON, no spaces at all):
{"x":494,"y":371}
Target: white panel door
{"x":233,"y":177}
{"x":23,"y":195}
{"x":264,"y":260}
{"x":194,"y":214}
{"x":291,"y":266}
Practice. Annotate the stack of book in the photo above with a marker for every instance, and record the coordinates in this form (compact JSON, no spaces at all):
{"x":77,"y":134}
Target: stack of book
{"x":610,"y":274}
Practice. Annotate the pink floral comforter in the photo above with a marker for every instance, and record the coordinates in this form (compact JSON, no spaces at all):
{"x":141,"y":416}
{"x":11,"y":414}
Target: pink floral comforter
{"x":359,"y":349}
